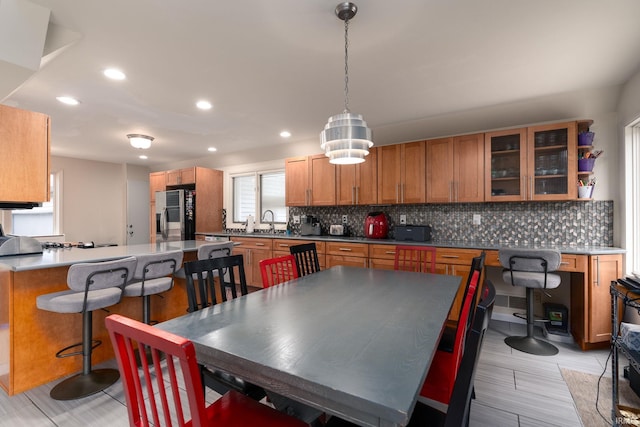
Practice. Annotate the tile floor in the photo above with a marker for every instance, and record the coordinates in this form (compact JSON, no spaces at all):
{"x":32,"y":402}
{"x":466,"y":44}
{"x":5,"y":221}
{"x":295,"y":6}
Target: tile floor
{"x":512,"y":389}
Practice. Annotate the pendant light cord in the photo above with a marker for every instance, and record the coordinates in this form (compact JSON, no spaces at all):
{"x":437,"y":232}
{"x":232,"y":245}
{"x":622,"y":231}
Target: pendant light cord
{"x":346,"y":65}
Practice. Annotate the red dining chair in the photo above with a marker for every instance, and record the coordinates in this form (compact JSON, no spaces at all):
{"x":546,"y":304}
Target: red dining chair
{"x":415,"y":258}
{"x":278,"y":270}
{"x":159,"y":401}
{"x":444,"y":366}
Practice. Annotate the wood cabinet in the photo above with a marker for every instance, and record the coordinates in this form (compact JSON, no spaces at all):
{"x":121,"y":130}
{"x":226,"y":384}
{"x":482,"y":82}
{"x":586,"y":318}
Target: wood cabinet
{"x":25,"y":146}
{"x":351,"y":254}
{"x":208,"y":184}
{"x":603,"y":269}
{"x":358,"y":184}
{"x":281,"y":248}
{"x":534,"y":163}
{"x":181,"y":176}
{"x":455,"y":169}
{"x":456,"y":262}
{"x":401,"y":173}
{"x":253,"y":250}
{"x":382,"y":256}
{"x":310,"y":181}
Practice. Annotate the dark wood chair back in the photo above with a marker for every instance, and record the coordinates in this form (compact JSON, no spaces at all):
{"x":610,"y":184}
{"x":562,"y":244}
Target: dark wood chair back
{"x":202,"y":276}
{"x":306,"y":258}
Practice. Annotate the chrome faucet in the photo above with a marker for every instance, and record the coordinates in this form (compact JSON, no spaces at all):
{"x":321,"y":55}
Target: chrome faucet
{"x":272,"y":229}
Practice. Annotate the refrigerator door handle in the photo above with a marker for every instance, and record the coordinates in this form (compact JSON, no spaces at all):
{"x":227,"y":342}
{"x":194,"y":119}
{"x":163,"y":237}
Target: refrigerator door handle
{"x":164,"y":224}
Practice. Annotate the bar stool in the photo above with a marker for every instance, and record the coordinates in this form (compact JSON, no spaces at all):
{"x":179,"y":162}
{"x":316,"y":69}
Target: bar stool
{"x":92,"y":286}
{"x":153,"y":275}
{"x":531,"y":268}
{"x":209,"y":251}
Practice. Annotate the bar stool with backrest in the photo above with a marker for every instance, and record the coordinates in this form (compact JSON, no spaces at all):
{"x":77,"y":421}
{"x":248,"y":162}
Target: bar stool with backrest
{"x":209,"y":250}
{"x":93,"y":286}
{"x":415,"y":258}
{"x":531,"y":269}
{"x":176,"y":391}
{"x":202,"y":277}
{"x":153,"y":275}
{"x":306,"y":258}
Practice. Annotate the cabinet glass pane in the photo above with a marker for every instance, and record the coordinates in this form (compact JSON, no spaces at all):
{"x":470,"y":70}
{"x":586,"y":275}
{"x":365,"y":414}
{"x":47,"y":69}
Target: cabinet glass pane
{"x":505,"y":165}
{"x":550,"y":161}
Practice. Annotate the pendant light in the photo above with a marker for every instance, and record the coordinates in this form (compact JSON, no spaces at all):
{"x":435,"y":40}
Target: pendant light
{"x":346,"y":139}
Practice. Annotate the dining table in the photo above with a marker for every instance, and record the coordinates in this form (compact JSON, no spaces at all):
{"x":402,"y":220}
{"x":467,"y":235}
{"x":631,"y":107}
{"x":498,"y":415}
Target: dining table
{"x":353,"y":342}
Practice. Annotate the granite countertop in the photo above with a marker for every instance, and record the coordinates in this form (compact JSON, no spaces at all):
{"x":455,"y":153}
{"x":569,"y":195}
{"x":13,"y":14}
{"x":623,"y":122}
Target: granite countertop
{"x":60,"y":257}
{"x":567,"y":248}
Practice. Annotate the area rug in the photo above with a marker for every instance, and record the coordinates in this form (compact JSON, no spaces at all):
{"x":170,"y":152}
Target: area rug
{"x":584,"y":389}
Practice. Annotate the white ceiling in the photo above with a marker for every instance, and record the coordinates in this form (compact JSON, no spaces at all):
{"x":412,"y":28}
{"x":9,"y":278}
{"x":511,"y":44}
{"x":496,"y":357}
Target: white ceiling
{"x":269,"y":65}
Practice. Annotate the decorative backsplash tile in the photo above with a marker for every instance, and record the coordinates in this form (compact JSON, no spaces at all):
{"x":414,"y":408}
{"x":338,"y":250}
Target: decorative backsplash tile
{"x":572,"y":222}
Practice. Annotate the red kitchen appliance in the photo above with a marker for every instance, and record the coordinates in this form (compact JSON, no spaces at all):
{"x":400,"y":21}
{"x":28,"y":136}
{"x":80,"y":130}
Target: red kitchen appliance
{"x":376,"y":225}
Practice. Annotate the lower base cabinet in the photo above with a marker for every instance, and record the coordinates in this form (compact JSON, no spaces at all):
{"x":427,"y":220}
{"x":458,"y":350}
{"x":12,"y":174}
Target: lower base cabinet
{"x":349,"y":254}
{"x":253,"y":250}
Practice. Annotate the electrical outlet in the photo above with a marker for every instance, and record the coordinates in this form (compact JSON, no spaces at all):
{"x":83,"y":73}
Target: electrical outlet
{"x":476,"y":219}
{"x":296,"y":219}
{"x":403,"y":219}
{"x":344,"y":219}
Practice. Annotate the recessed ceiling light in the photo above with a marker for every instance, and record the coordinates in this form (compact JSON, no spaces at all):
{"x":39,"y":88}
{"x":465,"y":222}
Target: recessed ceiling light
{"x":212,"y":149}
{"x":68,"y":100}
{"x":204,"y":105}
{"x":143,"y":157}
{"x":285,"y":134}
{"x":114,"y":74}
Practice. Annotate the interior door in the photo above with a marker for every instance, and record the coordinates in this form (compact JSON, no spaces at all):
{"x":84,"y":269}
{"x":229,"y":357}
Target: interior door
{"x":137,"y":231}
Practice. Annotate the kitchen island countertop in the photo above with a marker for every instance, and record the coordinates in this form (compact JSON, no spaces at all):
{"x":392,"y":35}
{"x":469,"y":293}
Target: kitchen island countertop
{"x":60,"y":257}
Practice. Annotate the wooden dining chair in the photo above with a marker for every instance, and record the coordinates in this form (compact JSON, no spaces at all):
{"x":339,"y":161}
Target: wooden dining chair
{"x":278,"y":270}
{"x":202,"y":276}
{"x":306,"y":258}
{"x":415,"y":258}
{"x":444,"y":367}
{"x":154,"y":393}
{"x":458,"y":410}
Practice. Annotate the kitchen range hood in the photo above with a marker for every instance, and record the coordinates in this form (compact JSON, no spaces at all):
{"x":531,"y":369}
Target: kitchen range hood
{"x":19,"y":205}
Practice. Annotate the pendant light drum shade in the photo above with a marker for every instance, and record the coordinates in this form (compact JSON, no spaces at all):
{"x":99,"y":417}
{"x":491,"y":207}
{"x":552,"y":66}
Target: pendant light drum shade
{"x":346,"y":139}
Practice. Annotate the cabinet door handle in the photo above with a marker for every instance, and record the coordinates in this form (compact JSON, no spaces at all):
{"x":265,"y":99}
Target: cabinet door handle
{"x":345,"y":249}
{"x":531,"y":184}
{"x":353,"y":195}
{"x":564,"y":262}
{"x":450,"y":256}
{"x":597,"y":283}
{"x":259,"y":244}
{"x":357,"y":195}
{"x":397,"y":192}
{"x":523,"y":187}
{"x":283,"y":245}
{"x":402,"y":192}
{"x":390,"y":252}
{"x":450,"y":190}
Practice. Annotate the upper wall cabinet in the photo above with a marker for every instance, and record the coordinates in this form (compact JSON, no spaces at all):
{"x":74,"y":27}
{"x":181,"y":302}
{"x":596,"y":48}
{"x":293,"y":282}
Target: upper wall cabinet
{"x":25,"y":146}
{"x":310,"y":181}
{"x":358,"y":184}
{"x":455,"y":169}
{"x":181,"y":176}
{"x":535,"y":163}
{"x":401,"y":173}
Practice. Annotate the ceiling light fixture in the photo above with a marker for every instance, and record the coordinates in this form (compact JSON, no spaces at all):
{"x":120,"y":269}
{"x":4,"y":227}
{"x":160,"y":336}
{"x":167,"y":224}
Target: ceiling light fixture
{"x":212,"y":149}
{"x":68,"y":100}
{"x":114,"y":74}
{"x":346,"y":138}
{"x":140,"y":141}
{"x":285,"y":134}
{"x":204,"y":105}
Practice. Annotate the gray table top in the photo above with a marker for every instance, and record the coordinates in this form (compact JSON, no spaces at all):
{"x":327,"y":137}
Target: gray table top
{"x":351,"y":341}
{"x":60,"y":257}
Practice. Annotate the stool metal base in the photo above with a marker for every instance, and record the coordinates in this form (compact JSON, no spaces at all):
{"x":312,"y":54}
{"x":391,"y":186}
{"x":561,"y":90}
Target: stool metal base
{"x":531,"y":345}
{"x":83,"y":385}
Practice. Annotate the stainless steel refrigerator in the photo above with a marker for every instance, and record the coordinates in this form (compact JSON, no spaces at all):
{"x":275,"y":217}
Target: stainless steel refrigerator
{"x":175,"y":215}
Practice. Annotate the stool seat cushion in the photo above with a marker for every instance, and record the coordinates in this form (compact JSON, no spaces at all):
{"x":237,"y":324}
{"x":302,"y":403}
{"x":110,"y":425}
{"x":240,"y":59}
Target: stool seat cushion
{"x":530,"y":279}
{"x":151,"y":287}
{"x":72,"y":301}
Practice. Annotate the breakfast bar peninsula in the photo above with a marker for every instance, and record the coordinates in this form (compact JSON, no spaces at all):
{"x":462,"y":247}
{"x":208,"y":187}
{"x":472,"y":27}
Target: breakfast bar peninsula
{"x":30,"y":338}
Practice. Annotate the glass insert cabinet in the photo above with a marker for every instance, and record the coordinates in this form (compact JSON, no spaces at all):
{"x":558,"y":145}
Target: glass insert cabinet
{"x":533,"y":163}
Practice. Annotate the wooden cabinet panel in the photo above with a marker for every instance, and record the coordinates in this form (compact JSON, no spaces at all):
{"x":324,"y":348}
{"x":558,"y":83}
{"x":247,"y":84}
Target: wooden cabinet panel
{"x":357,"y":184}
{"x":157,"y":182}
{"x":25,"y":145}
{"x":281,"y":248}
{"x":603,"y":269}
{"x":401,"y":173}
{"x":181,"y":176}
{"x":350,"y":254}
{"x":296,"y":172}
{"x":253,"y":250}
{"x":351,"y":261}
{"x":382,"y":256}
{"x":439,"y":170}
{"x":322,"y":177}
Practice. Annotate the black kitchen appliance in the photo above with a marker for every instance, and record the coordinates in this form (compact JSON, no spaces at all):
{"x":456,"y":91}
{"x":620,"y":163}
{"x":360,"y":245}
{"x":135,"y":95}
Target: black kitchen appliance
{"x":413,"y":233}
{"x":175,"y":215}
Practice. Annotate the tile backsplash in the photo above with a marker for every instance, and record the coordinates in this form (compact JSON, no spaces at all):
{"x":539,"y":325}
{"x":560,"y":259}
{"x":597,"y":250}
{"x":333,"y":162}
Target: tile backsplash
{"x":572,"y":222}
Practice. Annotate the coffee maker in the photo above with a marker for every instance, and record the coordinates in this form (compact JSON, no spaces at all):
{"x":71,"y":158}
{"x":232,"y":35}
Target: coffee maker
{"x":310,"y":226}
